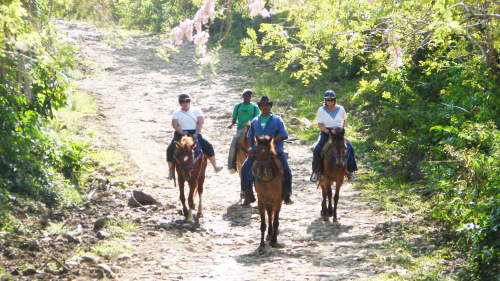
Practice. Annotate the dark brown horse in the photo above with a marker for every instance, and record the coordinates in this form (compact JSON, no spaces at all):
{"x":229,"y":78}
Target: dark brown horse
{"x":335,"y":156}
{"x":190,"y":164}
{"x":268,"y":172}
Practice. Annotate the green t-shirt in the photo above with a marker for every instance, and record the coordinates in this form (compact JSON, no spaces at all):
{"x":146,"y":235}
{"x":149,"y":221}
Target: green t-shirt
{"x":263,"y":121}
{"x":244,"y":113}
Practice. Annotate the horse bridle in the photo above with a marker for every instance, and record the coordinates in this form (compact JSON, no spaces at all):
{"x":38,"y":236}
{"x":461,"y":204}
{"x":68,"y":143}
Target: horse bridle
{"x":264,"y":162}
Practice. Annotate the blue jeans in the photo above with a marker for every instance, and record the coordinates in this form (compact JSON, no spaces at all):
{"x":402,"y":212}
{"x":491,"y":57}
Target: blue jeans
{"x":247,"y":167}
{"x":322,"y":139}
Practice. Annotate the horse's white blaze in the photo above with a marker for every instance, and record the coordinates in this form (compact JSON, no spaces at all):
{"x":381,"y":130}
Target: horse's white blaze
{"x":185,"y":158}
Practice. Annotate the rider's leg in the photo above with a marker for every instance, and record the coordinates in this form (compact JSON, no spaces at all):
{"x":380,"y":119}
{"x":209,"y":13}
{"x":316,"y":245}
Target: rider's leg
{"x":208,"y":149}
{"x":246,"y":182}
{"x":233,"y":150}
{"x":316,"y":163}
{"x":287,"y":180}
{"x":351,"y":162}
{"x":170,"y":155}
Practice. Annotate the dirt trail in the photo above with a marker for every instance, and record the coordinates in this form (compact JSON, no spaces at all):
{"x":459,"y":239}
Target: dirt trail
{"x":136,"y":96}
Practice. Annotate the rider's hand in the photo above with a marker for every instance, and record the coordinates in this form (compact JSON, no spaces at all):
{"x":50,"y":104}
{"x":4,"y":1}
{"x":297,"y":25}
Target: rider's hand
{"x":230,"y":126}
{"x":251,"y":152}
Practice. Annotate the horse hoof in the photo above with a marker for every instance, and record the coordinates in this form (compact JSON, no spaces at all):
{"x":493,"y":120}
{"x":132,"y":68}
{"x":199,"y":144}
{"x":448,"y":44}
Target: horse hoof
{"x":277,"y":245}
{"x":199,"y":215}
{"x":325,"y":218}
{"x":261,"y":250}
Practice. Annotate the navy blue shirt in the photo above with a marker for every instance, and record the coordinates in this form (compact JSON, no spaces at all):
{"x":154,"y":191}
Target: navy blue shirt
{"x":274,"y":127}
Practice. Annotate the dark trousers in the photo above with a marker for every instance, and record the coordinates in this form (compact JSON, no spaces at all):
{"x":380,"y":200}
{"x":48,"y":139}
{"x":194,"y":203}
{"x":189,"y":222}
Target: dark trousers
{"x":322,"y":139}
{"x":206,"y":146}
{"x":246,"y":168}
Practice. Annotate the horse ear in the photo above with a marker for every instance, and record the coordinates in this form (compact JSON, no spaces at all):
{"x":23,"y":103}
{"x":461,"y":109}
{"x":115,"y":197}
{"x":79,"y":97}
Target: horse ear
{"x":178,"y":144}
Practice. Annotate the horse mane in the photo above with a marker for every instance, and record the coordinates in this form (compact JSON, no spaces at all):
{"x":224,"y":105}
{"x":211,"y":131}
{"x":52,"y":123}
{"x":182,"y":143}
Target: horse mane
{"x":276,"y":165}
{"x":243,"y":140}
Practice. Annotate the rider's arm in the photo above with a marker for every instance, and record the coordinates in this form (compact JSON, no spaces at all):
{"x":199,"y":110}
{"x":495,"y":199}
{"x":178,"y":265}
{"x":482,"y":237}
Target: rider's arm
{"x":232,"y":123}
{"x":322,"y":127}
{"x":175,"y":125}
{"x":201,"y":121}
{"x":279,"y":138}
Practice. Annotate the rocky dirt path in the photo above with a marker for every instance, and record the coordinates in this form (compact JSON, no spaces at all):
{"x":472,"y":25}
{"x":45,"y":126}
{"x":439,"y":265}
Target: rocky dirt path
{"x":136,"y":95}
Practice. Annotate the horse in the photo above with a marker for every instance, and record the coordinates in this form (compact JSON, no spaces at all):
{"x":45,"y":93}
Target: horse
{"x":243,"y":146}
{"x":190,"y":164}
{"x":268,"y":173}
{"x":241,"y":156}
{"x":335,"y":155}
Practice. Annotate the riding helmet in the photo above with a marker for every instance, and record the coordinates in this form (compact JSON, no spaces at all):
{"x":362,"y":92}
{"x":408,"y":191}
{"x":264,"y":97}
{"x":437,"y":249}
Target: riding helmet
{"x":330,"y":94}
{"x":183,"y":97}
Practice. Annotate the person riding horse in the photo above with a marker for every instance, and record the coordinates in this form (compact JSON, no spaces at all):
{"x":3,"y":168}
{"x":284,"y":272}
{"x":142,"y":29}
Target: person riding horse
{"x":271,"y":125}
{"x":331,"y":115}
{"x":188,"y":120}
{"x":243,"y":112}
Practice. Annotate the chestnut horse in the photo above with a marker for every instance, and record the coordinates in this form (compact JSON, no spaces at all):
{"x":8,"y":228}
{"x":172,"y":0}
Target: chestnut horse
{"x":335,"y":155}
{"x":268,"y":172}
{"x":190,"y":164}
{"x":242,"y":154}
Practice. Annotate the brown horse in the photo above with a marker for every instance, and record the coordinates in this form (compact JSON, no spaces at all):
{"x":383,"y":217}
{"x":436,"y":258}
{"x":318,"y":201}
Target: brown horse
{"x":335,"y":156}
{"x":190,"y":164}
{"x":243,"y":147}
{"x":268,"y":172}
{"x":242,"y":154}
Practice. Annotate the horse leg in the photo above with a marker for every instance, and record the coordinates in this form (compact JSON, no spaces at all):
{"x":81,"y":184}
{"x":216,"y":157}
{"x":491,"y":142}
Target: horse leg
{"x":262,"y":213}
{"x":323,"y":202}
{"x":276,"y":224}
{"x":337,"y":192}
{"x":269,"y":211}
{"x":182,"y":198}
{"x":330,"y":208}
{"x":192,"y":188}
{"x":201,"y":180}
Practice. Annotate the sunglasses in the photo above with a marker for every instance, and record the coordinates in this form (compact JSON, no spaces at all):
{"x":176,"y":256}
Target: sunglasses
{"x":184,"y":101}
{"x":329,"y":100}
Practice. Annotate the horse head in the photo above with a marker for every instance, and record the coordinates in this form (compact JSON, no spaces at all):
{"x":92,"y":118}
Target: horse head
{"x":338,"y":149}
{"x":243,"y":142}
{"x":266,"y":165}
{"x":186,"y":155}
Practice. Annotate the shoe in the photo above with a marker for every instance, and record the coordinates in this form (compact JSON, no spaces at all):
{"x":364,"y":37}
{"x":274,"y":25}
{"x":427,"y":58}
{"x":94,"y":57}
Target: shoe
{"x":351,"y":176}
{"x":315,"y":177}
{"x":248,"y":200}
{"x":232,"y":170}
{"x":218,"y":169}
{"x":288,"y":200}
{"x":170,"y":175}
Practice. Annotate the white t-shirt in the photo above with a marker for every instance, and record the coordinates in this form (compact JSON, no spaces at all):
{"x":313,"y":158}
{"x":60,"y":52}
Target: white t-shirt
{"x":327,"y":120}
{"x":187,"y":119}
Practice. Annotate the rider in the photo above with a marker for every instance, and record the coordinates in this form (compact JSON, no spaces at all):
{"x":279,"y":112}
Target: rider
{"x":271,"y":125}
{"x":331,"y":115}
{"x":188,"y":120}
{"x":242,"y":113}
